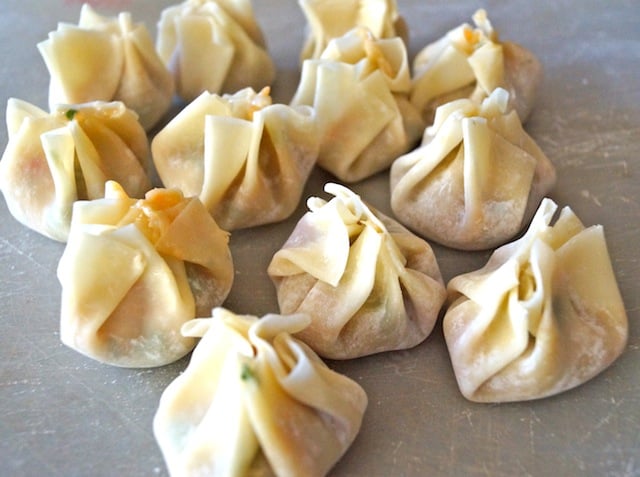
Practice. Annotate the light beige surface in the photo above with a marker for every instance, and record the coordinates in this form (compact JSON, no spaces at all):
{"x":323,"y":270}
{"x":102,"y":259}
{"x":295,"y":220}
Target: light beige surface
{"x":63,"y":414}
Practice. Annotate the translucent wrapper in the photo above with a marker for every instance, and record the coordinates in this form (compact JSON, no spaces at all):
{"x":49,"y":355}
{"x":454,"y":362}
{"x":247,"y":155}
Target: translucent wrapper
{"x":542,"y":316}
{"x":471,"y":62}
{"x":256,"y":401}
{"x":107,"y":59}
{"x":329,"y":19}
{"x":359,"y":88}
{"x":247,"y":159}
{"x":215,"y":46}
{"x":368,"y":284}
{"x":54,"y":159}
{"x":134,"y":271}
{"x":477,"y":178}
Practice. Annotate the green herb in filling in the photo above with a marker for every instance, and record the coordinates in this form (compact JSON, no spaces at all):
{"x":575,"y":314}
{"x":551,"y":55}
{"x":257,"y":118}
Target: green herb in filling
{"x":247,"y":373}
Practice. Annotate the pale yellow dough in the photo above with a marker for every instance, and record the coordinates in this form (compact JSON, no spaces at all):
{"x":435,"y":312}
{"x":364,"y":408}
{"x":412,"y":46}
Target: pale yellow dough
{"x":134,"y":271}
{"x":368,"y":284}
{"x":256,"y":401}
{"x":471,"y":62}
{"x":107,"y":59}
{"x":542,"y":316}
{"x":215,"y":46}
{"x":359,"y":88}
{"x":329,"y":19}
{"x":54,"y":159}
{"x":244,"y":157}
{"x":476,"y":179}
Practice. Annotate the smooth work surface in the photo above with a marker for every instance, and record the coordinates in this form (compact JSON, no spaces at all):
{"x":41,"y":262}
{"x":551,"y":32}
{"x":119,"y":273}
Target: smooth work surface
{"x":62,"y":414}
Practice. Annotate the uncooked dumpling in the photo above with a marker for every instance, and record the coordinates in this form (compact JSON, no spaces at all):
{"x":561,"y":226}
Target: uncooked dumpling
{"x":247,"y":159}
{"x":542,"y":316}
{"x":328,"y":19}
{"x":359,"y":88}
{"x":54,"y":159}
{"x":368,"y":284}
{"x":134,"y":271}
{"x":107,"y":59}
{"x":476,"y":179}
{"x":256,"y":401}
{"x":215,"y":46}
{"x":471,"y":62}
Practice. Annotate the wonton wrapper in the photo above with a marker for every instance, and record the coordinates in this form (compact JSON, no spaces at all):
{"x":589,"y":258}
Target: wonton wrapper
{"x":215,"y":46}
{"x":470,"y":63}
{"x":542,"y":316}
{"x":107,"y":59}
{"x":247,"y":159}
{"x":53,"y":159}
{"x":476,"y":178}
{"x":360,"y":46}
{"x":368,"y":284}
{"x":256,"y":401}
{"x":328,"y":19}
{"x":134,"y":271}
{"x":359,"y":88}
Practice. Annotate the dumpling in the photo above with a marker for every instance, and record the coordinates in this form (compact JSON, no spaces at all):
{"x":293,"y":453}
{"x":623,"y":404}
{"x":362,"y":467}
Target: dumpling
{"x":134,"y":271}
{"x":368,"y":284}
{"x":256,"y":401}
{"x":247,"y":159}
{"x":107,"y":59}
{"x":359,"y":88}
{"x":359,"y":46}
{"x":53,"y":159}
{"x":542,"y":316}
{"x":329,"y":19}
{"x":472,"y":62}
{"x":476,"y":179}
{"x":215,"y":46}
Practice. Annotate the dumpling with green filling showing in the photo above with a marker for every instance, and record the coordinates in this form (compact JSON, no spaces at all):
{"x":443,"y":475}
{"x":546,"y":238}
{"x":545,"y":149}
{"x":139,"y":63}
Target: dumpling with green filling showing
{"x":54,"y":159}
{"x":254,"y":400}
